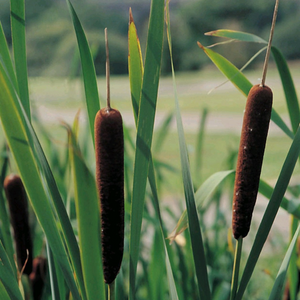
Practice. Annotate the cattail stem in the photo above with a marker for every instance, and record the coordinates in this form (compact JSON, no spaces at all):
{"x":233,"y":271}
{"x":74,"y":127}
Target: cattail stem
{"x":107,"y":71}
{"x":236,"y":268}
{"x":112,"y":291}
{"x":265,"y":67}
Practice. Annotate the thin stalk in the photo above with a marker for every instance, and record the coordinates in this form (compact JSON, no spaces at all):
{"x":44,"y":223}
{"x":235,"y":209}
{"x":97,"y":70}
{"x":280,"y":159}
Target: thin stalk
{"x":112,"y":291}
{"x":107,"y":71}
{"x":236,"y":267}
{"x":265,"y":67}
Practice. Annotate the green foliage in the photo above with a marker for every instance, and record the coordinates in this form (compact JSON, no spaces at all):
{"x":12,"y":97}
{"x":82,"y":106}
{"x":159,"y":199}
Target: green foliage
{"x":61,"y":186}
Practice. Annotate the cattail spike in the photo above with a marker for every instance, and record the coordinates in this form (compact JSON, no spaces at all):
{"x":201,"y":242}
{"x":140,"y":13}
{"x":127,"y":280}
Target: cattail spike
{"x":251,"y":150}
{"x":18,"y":207}
{"x":109,"y":147}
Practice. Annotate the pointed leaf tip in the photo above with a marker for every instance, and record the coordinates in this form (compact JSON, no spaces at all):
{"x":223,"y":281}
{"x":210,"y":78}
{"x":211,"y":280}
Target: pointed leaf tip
{"x":130,"y":16}
{"x":210,"y":32}
{"x":200,"y":45}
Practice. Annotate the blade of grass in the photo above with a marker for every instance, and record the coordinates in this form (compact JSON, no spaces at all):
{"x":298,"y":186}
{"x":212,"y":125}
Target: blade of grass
{"x":145,"y":131}
{"x":3,"y":294}
{"x":13,"y":124}
{"x":135,"y":76}
{"x":88,"y":70}
{"x":288,"y":205}
{"x":6,"y":59}
{"x":199,"y":144}
{"x":280,"y":278}
{"x":236,"y":268}
{"x":288,"y":87}
{"x":202,"y":196}
{"x":88,"y":217}
{"x":7,"y":276}
{"x":270,"y":213}
{"x":17,"y":11}
{"x":194,"y":226}
{"x":241,"y":82}
{"x":237,"y":35}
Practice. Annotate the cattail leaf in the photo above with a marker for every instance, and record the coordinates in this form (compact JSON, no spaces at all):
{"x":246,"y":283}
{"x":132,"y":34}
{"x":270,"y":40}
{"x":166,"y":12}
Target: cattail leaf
{"x":201,"y":197}
{"x":3,"y":294}
{"x":17,"y":12}
{"x":237,"y":35}
{"x":241,"y":82}
{"x":13,"y":121}
{"x":135,"y":75}
{"x":156,"y":270}
{"x":288,"y":87}
{"x":193,"y":221}
{"x":88,"y":216}
{"x":145,"y":131}
{"x":162,"y":133}
{"x":280,"y":278}
{"x":291,"y":206}
{"x":7,"y":276}
{"x":135,"y":66}
{"x":88,"y":70}
{"x":6,"y":59}
{"x":270,"y":213}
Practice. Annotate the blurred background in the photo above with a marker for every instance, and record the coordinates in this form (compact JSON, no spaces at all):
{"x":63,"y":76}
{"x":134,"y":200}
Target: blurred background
{"x":52,"y":49}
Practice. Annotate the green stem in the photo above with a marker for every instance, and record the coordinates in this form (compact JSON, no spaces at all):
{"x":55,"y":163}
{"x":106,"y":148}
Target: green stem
{"x":236,"y":268}
{"x":111,"y":291}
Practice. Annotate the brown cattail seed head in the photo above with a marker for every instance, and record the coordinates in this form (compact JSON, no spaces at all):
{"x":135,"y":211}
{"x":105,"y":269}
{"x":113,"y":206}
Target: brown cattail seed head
{"x":38,"y":277}
{"x":251,"y":150}
{"x":18,"y":207}
{"x":109,"y":146}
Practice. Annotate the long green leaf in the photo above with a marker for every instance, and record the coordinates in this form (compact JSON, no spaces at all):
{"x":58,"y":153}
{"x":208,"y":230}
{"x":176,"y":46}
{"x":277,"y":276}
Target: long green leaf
{"x":3,"y":294}
{"x":7,"y":276}
{"x":237,"y":35}
{"x":291,"y":206}
{"x":16,"y":134}
{"x":201,"y":198}
{"x":17,"y":11}
{"x":280,"y":278}
{"x":288,"y":87}
{"x":145,"y":130}
{"x":88,"y":217}
{"x":6,"y":59}
{"x":136,"y":74}
{"x":241,"y":82}
{"x":193,"y":221}
{"x":270,"y":213}
{"x":88,"y":70}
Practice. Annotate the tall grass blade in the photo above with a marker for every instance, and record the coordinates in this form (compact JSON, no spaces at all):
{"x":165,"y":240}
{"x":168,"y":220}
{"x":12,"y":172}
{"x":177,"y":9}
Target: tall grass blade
{"x":145,"y":131}
{"x":280,"y":278}
{"x":17,"y":12}
{"x":194,"y":226}
{"x":6,"y":59}
{"x":201,"y":197}
{"x":291,"y":206}
{"x":135,"y":76}
{"x":7,"y":276}
{"x":270,"y":213}
{"x":241,"y":82}
{"x":3,"y":294}
{"x":236,"y":35}
{"x":13,"y":121}
{"x":88,"y":217}
{"x":135,"y":66}
{"x":88,"y":70}
{"x":199,"y":144}
{"x":288,"y":87}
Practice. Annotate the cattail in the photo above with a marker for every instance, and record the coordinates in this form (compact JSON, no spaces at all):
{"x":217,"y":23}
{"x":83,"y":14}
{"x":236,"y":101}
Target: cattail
{"x":109,"y":146}
{"x":38,"y":277}
{"x":18,"y":207}
{"x":251,"y":150}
